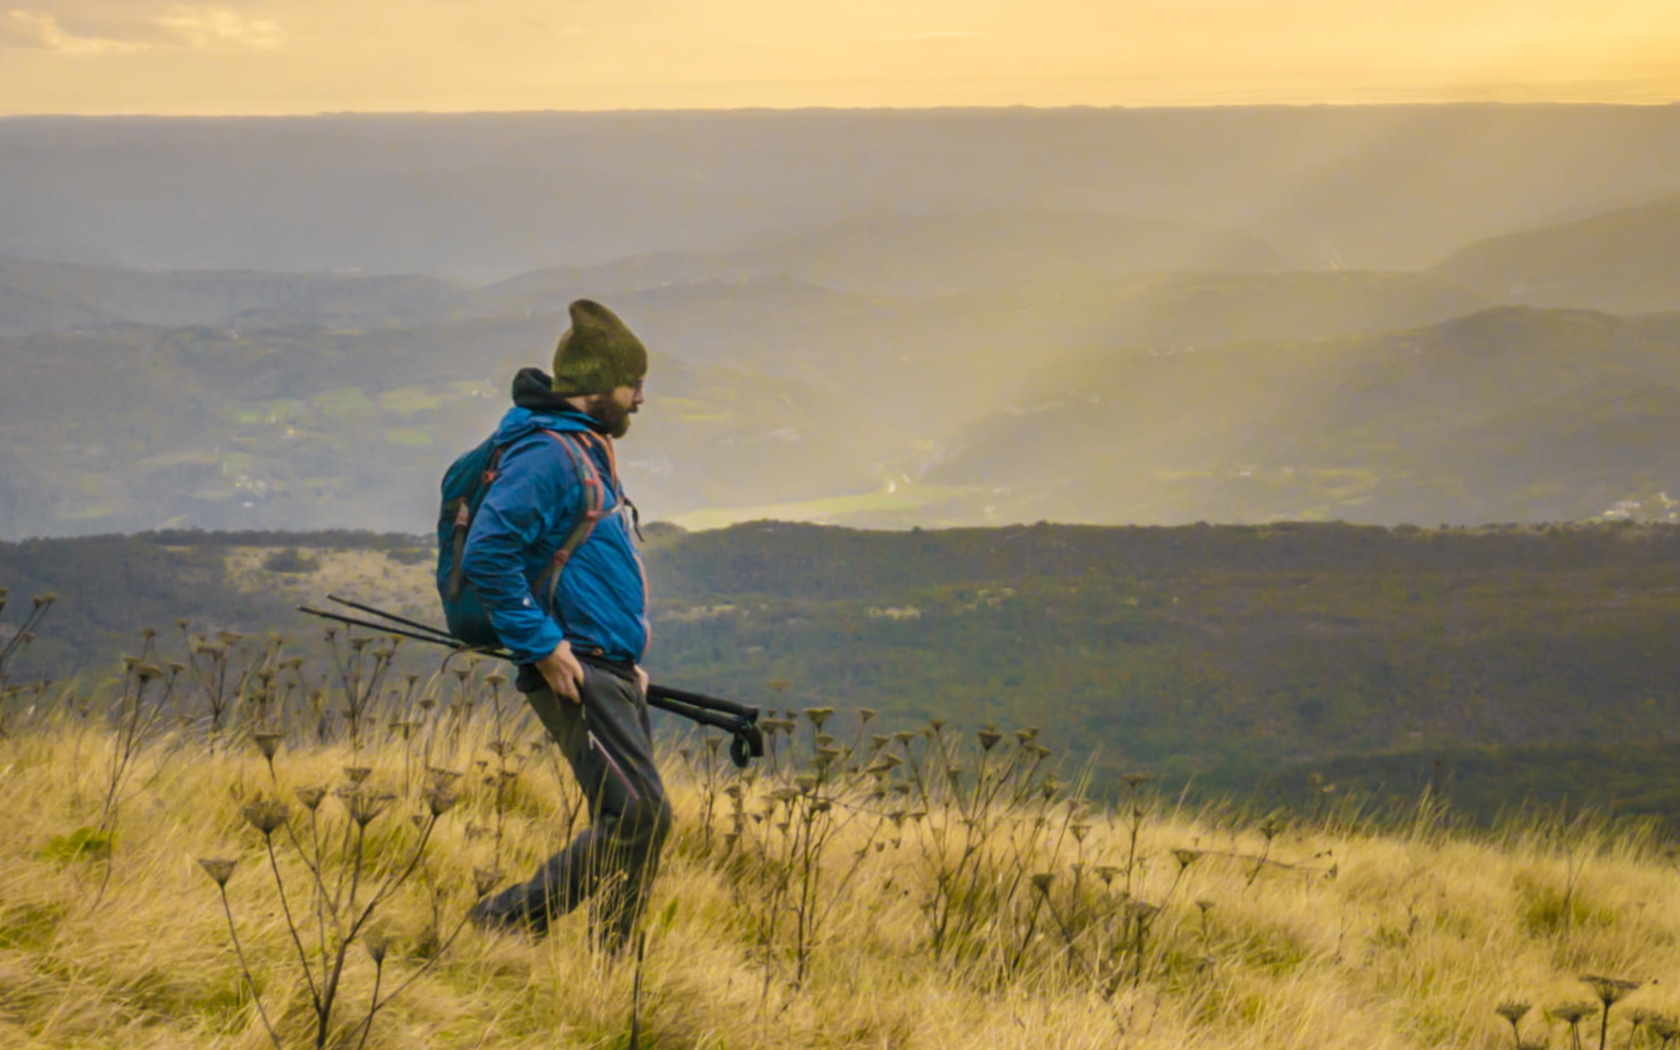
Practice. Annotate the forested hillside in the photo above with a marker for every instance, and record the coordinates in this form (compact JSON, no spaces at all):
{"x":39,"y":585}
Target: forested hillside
{"x":1173,"y":649}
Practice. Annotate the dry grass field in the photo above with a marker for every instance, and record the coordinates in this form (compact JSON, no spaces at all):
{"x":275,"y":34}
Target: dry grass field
{"x":925,"y":889}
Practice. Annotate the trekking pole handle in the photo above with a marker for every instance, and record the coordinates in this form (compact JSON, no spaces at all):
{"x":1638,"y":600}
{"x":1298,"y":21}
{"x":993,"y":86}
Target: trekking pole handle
{"x":704,"y":702}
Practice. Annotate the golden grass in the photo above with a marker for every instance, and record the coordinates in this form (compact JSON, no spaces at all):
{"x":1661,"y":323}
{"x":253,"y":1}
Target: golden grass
{"x":1412,"y":943}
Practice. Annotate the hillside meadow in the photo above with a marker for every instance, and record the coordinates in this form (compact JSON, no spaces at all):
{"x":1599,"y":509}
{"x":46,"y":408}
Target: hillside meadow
{"x":928,"y":887}
{"x":1500,"y":664}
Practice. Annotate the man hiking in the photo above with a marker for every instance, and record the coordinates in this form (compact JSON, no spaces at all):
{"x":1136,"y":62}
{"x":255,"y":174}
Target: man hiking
{"x":551,"y":557}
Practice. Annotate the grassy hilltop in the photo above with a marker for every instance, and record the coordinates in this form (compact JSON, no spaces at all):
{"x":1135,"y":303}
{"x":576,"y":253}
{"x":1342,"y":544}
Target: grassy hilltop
{"x":926,"y":889}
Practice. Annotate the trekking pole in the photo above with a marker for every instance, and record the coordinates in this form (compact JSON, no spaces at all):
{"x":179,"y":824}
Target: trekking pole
{"x":394,"y":618}
{"x":739,"y":720}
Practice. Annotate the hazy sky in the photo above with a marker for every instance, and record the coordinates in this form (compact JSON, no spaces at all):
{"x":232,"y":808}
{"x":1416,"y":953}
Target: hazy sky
{"x":305,"y":56}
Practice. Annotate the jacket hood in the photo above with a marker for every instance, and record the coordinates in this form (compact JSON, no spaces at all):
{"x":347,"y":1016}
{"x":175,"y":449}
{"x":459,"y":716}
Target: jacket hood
{"x":537,"y":407}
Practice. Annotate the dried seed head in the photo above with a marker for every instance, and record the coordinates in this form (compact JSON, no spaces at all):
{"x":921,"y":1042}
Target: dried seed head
{"x":219,"y":869}
{"x":1664,"y":1027}
{"x":266,"y":814}
{"x":1513,"y":1011}
{"x":495,"y":679}
{"x":865,"y":715}
{"x":376,"y":944}
{"x":485,"y":880}
{"x":357,"y":774}
{"x":440,"y":800}
{"x":818,"y":715}
{"x":1610,"y":990}
{"x":311,"y":797}
{"x":364,"y":806}
{"x":1204,"y":906}
{"x":230,"y":638}
{"x":936,"y":724}
{"x":267,"y":743}
{"x":1107,"y":872}
{"x":1572,"y":1013}
{"x":1080,"y":831}
{"x":1135,"y":780}
{"x":1042,"y":880}
{"x":149,"y":672}
{"x":989,"y":738}
{"x":440,"y":779}
{"x":1185,"y":857}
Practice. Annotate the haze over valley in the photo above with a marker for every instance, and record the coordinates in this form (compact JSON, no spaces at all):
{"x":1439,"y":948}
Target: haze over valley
{"x":1381,"y":315}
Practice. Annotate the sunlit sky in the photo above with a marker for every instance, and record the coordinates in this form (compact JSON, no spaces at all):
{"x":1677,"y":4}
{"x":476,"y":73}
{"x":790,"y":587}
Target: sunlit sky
{"x":307,"y":56}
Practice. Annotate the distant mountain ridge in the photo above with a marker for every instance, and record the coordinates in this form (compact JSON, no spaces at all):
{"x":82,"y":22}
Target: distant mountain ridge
{"x":1626,"y":261}
{"x":38,"y":296}
{"x":481,"y":197}
{"x":948,"y":366}
{"x":925,"y":255}
{"x":1509,"y":414}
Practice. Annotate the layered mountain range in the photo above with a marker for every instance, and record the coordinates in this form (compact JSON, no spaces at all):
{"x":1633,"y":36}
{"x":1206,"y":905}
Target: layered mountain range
{"x":894,"y":358}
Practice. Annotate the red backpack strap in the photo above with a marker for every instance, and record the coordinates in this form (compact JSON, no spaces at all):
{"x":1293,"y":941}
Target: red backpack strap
{"x":591,"y":512}
{"x":464,"y":511}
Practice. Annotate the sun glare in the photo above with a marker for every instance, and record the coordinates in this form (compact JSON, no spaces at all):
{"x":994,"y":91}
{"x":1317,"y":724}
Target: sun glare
{"x":293,"y":56}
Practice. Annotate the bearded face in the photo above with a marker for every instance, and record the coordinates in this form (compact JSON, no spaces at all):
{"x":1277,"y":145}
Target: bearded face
{"x":608,"y":411}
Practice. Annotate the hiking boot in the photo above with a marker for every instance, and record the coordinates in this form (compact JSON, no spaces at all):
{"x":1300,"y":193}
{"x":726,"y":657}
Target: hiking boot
{"x":505,"y":913}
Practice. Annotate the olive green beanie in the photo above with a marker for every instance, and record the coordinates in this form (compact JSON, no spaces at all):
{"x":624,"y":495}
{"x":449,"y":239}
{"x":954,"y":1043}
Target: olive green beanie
{"x":597,"y":353}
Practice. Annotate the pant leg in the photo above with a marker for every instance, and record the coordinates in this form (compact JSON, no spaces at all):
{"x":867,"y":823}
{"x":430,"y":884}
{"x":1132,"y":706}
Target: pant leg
{"x":608,"y":741}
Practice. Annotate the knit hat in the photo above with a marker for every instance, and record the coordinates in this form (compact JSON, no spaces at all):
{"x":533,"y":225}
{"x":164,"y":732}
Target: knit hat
{"x":597,"y":353}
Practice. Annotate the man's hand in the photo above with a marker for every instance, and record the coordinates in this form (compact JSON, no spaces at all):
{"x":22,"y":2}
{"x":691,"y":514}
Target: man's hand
{"x":642,"y":681}
{"x":561,"y":670}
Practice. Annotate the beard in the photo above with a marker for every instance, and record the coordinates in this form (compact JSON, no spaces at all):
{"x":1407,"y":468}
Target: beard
{"x":612,"y":416}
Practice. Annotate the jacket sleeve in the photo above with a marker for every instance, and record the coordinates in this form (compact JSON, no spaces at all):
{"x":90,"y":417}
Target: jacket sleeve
{"x":531,"y":500}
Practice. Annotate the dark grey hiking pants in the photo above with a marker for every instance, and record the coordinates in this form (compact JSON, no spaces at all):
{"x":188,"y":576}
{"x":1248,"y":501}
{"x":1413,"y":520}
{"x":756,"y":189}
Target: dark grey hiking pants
{"x":608,"y":739}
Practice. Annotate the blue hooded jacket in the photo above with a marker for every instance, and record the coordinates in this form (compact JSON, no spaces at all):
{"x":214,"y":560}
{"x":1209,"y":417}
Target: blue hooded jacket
{"x":600,"y":603}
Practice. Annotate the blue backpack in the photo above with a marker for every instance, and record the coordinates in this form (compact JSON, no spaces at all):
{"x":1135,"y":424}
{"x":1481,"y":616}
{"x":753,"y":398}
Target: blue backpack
{"x":464,"y":487}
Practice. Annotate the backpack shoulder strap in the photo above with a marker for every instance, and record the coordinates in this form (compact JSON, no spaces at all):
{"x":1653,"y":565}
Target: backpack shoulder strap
{"x":465,"y":508}
{"x":594,"y":500}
